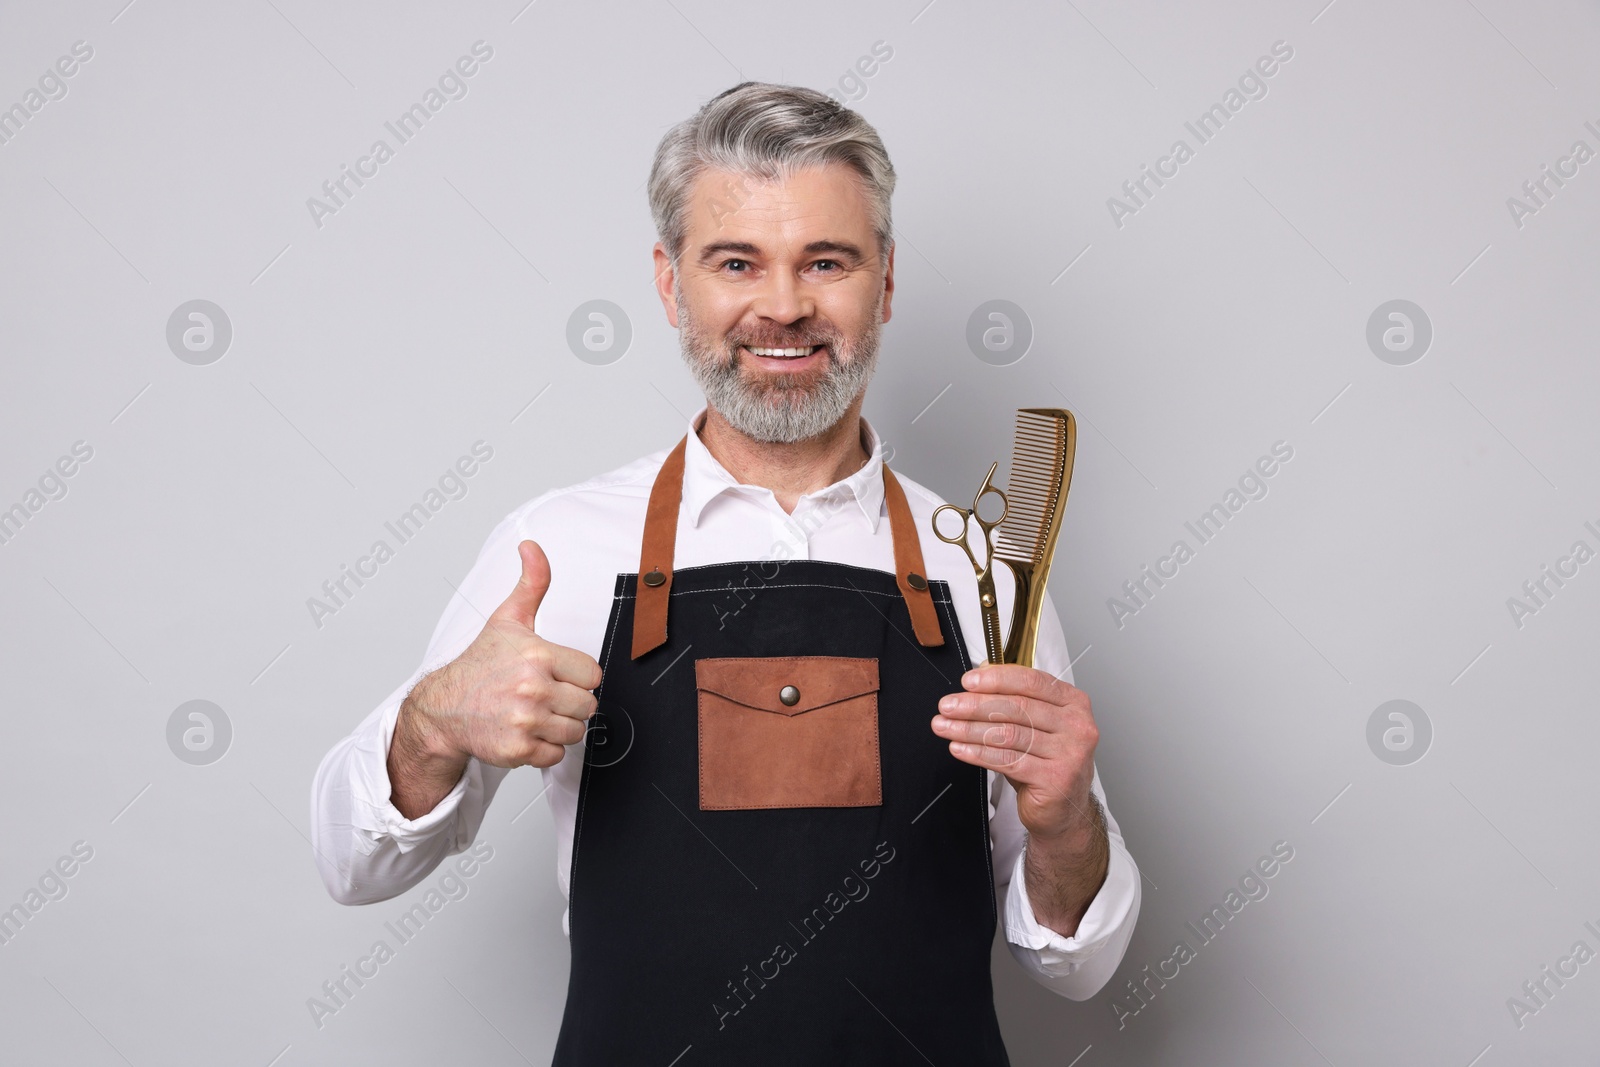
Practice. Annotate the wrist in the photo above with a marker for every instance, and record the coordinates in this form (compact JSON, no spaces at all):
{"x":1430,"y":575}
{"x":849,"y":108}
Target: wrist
{"x":1082,"y":830}
{"x":419,"y":736}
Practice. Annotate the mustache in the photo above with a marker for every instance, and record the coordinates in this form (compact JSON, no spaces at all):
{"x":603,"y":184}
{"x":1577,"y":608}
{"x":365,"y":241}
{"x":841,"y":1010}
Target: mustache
{"x":805,"y":339}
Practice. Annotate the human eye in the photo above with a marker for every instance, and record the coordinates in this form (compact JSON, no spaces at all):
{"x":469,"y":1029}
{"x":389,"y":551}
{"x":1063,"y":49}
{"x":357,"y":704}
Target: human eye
{"x":735,"y":266}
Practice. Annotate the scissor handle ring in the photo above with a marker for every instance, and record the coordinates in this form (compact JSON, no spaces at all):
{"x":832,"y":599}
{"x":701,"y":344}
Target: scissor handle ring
{"x":958,"y":539}
{"x":1005,"y":506}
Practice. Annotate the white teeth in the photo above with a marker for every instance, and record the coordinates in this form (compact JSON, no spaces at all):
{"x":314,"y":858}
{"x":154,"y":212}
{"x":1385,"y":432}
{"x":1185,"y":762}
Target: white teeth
{"x":783,"y":353}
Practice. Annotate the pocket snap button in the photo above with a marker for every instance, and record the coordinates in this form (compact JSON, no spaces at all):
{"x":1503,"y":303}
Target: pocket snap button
{"x":789,"y":695}
{"x":654,"y":578}
{"x":916,"y":581}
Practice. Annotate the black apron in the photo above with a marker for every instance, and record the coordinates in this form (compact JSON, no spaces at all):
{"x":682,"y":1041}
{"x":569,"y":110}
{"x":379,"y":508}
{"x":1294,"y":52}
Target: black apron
{"x":775,"y":859}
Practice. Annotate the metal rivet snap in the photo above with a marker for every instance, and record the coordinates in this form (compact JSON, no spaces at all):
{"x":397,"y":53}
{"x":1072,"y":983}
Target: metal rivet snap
{"x":789,"y":695}
{"x":916,"y":581}
{"x":654,"y":578}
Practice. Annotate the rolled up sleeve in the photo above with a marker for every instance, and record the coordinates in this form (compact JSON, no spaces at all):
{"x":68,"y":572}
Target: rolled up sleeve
{"x":365,"y":850}
{"x":1079,"y":966}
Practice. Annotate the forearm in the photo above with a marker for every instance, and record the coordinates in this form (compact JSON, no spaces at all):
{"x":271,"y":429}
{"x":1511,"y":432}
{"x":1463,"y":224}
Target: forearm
{"x":1065,"y":871}
{"x":365,"y":849}
{"x":423,"y":766}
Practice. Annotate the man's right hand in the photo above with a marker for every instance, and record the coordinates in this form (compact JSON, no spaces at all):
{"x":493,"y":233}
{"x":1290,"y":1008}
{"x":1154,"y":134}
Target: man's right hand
{"x":510,"y":699}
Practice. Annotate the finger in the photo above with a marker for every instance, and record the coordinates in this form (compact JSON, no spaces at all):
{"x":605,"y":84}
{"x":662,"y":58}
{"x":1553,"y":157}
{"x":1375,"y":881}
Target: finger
{"x":1009,"y":735}
{"x":560,"y":730}
{"x":544,"y":754}
{"x":1015,"y":679}
{"x":983,"y":706}
{"x":569,"y":701}
{"x":1015,"y":765}
{"x":573,"y":666}
{"x":974,"y":707}
{"x":523,"y":603}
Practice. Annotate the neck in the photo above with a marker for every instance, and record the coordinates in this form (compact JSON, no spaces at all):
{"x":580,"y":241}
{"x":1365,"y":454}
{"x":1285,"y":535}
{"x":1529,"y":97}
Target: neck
{"x":789,"y":470}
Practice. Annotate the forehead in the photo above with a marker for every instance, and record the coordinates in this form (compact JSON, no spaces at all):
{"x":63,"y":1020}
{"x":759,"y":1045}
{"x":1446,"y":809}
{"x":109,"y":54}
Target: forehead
{"x":814,"y":203}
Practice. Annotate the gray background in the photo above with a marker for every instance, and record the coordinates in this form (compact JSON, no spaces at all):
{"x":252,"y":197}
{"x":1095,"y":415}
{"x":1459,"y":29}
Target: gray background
{"x":1227,"y":314}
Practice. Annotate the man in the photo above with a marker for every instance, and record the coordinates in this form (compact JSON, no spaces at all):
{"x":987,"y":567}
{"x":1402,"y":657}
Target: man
{"x":788,"y":815}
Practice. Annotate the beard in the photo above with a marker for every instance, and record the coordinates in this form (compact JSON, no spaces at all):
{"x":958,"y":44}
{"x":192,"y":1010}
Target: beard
{"x":780,"y":408}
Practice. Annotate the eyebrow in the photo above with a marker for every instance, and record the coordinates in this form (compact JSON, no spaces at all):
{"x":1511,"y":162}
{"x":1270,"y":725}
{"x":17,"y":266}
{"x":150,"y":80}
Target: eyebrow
{"x":842,"y":249}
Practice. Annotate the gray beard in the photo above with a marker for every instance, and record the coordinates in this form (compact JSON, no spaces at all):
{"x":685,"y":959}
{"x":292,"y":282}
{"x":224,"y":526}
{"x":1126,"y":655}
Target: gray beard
{"x":780,"y":411}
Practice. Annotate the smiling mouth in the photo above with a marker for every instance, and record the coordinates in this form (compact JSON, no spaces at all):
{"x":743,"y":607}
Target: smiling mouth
{"x":782,"y":353}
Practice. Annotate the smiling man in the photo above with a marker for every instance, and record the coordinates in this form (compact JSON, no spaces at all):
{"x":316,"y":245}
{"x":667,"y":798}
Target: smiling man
{"x":789,"y":811}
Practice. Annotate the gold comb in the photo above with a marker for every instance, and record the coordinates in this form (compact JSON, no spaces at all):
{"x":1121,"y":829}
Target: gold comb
{"x":1036,"y":496}
{"x":1029,"y":523}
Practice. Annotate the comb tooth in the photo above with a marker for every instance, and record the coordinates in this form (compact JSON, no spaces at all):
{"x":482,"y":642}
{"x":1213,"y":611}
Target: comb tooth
{"x":1034,"y":484}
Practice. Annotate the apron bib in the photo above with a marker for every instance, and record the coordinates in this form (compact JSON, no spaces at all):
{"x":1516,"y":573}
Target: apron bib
{"x":775,"y":859}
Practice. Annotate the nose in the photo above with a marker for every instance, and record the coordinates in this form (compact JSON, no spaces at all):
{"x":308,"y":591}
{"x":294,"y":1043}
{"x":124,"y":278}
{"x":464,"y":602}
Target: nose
{"x":782,"y":300}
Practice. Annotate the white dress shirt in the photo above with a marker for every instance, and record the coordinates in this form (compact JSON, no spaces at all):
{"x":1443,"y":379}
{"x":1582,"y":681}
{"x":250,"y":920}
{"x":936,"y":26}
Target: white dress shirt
{"x":367,"y":851}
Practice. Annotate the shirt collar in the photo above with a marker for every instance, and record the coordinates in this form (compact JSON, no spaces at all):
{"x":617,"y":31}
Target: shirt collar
{"x":704,"y":479}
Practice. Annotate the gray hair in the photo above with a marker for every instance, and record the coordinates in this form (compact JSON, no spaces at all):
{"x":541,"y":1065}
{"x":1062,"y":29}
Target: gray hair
{"x":767,"y":132}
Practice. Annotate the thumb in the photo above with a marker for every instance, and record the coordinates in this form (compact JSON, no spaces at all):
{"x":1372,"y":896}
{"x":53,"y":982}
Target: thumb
{"x":523,"y":603}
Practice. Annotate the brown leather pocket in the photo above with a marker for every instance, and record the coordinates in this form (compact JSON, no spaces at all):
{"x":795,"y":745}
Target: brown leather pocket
{"x":788,"y":732}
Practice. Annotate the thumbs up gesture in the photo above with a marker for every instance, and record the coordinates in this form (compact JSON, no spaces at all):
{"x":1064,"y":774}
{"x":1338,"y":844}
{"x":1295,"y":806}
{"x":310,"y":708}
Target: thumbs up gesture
{"x":510,"y":699}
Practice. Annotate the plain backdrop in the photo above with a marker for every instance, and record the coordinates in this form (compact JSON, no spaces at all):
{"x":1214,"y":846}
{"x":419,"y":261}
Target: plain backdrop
{"x":1217,"y":315}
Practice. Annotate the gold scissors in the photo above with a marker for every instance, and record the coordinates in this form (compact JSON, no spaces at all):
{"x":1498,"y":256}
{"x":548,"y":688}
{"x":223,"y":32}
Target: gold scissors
{"x":989,"y":605}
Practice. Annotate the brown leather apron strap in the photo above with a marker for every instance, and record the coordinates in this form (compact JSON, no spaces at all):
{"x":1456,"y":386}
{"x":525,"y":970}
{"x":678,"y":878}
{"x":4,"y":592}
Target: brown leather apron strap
{"x":661,"y":536}
{"x":909,"y":572}
{"x":655,"y":556}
